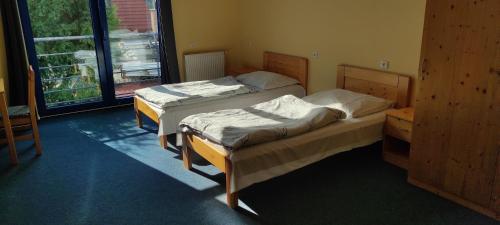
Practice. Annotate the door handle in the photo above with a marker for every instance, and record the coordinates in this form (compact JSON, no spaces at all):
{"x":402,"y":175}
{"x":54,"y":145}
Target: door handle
{"x":497,"y":71}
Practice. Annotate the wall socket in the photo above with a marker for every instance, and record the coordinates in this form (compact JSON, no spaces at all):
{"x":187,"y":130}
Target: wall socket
{"x":315,"y":55}
{"x":384,"y":64}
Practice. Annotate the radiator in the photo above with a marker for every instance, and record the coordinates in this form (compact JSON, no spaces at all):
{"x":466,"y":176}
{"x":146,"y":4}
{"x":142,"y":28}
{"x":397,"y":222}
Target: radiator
{"x":204,"y":66}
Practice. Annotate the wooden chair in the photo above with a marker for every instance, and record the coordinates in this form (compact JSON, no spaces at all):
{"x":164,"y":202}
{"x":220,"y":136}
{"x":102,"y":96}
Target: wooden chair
{"x":22,"y":118}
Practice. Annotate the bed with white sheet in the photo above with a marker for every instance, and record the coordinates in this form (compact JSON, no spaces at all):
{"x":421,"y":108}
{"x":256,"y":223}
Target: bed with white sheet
{"x":167,"y":105}
{"x":283,"y":156}
{"x":255,"y":163}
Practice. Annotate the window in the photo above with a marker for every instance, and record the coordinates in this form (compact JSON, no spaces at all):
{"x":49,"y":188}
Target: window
{"x":90,"y":54}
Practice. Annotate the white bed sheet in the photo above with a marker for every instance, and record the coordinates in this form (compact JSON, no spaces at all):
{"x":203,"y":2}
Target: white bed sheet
{"x":265,"y":161}
{"x":171,"y":116}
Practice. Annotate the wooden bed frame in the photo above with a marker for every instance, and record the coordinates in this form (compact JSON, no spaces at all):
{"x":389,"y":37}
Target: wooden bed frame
{"x":387,"y":85}
{"x":291,"y":66}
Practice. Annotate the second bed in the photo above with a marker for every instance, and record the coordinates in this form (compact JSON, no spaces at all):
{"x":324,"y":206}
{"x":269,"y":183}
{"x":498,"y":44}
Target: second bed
{"x":264,"y":161}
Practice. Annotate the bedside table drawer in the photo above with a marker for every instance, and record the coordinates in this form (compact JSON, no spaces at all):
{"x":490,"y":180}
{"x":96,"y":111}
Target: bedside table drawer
{"x":398,"y":128}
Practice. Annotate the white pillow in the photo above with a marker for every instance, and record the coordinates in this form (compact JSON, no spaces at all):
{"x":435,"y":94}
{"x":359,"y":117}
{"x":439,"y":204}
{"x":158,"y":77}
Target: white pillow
{"x":266,"y":80}
{"x":352,"y":103}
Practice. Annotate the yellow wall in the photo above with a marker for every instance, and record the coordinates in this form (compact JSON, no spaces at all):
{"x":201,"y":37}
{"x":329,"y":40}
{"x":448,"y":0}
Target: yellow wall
{"x":205,"y":25}
{"x":360,"y":32}
{"x":3,"y":58}
{"x":357,"y":32}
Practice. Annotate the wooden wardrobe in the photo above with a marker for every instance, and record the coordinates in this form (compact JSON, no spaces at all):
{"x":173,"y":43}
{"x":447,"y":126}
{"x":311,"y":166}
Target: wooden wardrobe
{"x":456,"y":134}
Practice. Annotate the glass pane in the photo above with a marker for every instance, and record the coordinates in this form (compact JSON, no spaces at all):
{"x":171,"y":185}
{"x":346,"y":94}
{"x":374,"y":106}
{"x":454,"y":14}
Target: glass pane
{"x":65,"y":48}
{"x":134,"y":44}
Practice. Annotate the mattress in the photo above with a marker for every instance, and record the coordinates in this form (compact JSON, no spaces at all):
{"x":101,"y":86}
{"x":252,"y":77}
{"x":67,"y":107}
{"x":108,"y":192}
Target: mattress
{"x":265,"y":161}
{"x":171,"y":116}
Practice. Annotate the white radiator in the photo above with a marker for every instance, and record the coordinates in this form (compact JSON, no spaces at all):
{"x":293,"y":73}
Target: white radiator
{"x":204,"y":66}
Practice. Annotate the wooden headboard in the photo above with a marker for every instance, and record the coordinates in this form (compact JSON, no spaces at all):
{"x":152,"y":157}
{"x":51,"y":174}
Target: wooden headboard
{"x":291,"y":66}
{"x":378,"y":83}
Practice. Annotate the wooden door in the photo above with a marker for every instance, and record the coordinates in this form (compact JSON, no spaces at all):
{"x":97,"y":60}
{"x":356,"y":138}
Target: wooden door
{"x":457,"y":120}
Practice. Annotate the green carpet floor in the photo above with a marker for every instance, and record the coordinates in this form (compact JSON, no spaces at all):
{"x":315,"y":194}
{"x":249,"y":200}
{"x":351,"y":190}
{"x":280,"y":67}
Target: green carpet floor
{"x":98,"y":168}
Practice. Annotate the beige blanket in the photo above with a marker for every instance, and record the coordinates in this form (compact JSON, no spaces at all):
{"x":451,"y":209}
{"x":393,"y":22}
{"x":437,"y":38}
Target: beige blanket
{"x":192,"y":92}
{"x":280,"y":118}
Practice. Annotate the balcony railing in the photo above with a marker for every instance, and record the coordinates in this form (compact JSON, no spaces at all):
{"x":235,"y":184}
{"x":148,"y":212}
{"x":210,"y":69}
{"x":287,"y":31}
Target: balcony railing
{"x":129,"y":35}
{"x":71,"y":77}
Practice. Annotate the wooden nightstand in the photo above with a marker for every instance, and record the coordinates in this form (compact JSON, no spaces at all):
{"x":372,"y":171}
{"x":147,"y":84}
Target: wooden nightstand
{"x":397,"y":136}
{"x":241,"y":70}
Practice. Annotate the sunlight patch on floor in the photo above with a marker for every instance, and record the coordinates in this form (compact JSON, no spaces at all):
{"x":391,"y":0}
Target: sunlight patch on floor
{"x":222,"y":198}
{"x":144,"y":147}
{"x":164,"y":161}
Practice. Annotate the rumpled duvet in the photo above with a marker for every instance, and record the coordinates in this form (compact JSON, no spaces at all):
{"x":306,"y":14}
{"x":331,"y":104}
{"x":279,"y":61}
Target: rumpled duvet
{"x":192,"y":92}
{"x":284,"y":117}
